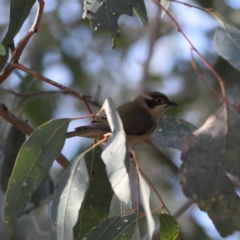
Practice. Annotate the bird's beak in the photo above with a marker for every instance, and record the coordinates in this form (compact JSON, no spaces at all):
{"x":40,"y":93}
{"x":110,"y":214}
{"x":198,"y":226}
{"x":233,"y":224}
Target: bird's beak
{"x":172,"y":103}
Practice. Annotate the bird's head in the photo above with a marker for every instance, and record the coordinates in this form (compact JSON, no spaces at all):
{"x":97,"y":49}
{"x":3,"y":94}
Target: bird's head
{"x":155,"y":102}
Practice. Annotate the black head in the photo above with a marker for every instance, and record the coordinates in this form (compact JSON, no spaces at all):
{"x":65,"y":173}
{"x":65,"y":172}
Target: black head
{"x":153,"y":99}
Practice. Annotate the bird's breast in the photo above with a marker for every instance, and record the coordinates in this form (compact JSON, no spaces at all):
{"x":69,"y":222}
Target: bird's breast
{"x":135,"y":139}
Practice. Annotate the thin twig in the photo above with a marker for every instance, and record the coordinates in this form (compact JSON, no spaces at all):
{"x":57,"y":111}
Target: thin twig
{"x":141,"y":173}
{"x":221,"y":83}
{"x":208,"y":65}
{"x":37,"y":94}
{"x":24,"y":127}
{"x":55,"y":84}
{"x":48,"y":80}
{"x":182,"y":209}
{"x":154,"y":189}
{"x":31,"y":94}
{"x":216,"y":94}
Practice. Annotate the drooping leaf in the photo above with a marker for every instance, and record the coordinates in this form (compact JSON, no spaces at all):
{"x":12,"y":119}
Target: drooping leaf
{"x":171,"y":132}
{"x":115,"y":154}
{"x":96,"y":204}
{"x":104,"y":14}
{"x":145,"y":201}
{"x":19,"y":11}
{"x":227,"y":41}
{"x":68,"y":198}
{"x":13,"y":142}
{"x":33,"y":162}
{"x":207,"y":158}
{"x":166,"y":5}
{"x":169,"y":229}
{"x":117,"y":228}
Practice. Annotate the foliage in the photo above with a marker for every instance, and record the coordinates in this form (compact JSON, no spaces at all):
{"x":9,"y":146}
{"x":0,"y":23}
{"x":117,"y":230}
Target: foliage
{"x":109,"y":192}
{"x":104,"y":14}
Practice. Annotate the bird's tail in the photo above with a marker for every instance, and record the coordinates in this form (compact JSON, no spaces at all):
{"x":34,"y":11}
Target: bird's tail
{"x":87,"y":132}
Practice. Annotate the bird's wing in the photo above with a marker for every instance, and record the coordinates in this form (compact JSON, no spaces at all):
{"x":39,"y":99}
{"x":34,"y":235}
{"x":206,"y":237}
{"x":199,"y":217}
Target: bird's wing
{"x":136,"y":120}
{"x":99,"y":123}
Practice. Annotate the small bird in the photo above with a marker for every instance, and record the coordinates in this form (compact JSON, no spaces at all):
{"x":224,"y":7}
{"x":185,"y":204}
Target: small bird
{"x":139,"y":117}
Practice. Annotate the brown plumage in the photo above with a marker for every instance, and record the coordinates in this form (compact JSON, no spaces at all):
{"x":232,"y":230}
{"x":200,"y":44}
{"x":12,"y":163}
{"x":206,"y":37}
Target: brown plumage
{"x":139,"y":118}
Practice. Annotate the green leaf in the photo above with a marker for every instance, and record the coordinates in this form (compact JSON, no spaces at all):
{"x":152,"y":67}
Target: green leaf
{"x":14,"y":141}
{"x":227,"y":41}
{"x":104,"y":14}
{"x":68,"y":198}
{"x":166,"y":5}
{"x":19,"y":11}
{"x":169,"y":229}
{"x":95,"y":207}
{"x":115,"y":154}
{"x":208,"y":153}
{"x":33,"y":162}
{"x":171,"y":132}
{"x":116,"y":228}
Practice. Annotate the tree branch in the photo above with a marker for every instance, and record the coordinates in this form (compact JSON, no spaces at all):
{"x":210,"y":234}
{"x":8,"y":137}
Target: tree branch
{"x":24,"y":127}
{"x":22,"y":43}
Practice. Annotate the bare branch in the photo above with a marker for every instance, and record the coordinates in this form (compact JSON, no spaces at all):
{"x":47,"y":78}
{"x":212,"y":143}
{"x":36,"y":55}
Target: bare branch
{"x":183,"y":208}
{"x":55,"y":84}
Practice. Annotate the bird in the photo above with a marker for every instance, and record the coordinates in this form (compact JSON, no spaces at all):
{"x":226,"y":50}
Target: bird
{"x":139,"y":117}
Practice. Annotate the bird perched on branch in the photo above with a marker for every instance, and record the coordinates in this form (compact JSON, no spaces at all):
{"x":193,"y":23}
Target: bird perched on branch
{"x":139,"y":117}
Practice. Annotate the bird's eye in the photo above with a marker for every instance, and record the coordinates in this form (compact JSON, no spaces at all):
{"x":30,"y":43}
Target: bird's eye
{"x":159,"y":100}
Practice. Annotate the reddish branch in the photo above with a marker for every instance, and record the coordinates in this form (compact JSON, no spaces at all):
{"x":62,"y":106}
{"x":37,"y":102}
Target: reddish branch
{"x":22,"y":43}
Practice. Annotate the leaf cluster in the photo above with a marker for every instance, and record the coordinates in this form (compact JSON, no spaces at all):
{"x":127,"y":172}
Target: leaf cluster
{"x":104,"y":193}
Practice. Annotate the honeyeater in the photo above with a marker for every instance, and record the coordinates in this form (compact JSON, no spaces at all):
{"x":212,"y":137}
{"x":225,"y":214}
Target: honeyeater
{"x":139,"y":117}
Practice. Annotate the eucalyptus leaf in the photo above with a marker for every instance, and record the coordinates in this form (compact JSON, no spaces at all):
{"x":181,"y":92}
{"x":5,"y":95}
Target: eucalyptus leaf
{"x":169,"y":229}
{"x":15,"y":139}
{"x":214,"y":153}
{"x":117,"y":228}
{"x":118,"y":207}
{"x":33,"y":162}
{"x":105,"y":14}
{"x":115,"y":154}
{"x":171,"y":132}
{"x":19,"y":11}
{"x":227,"y":41}
{"x":68,"y":198}
{"x":95,"y":207}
